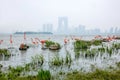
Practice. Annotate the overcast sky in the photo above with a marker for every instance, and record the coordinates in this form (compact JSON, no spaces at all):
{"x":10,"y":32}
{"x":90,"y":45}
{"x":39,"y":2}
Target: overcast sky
{"x":30,"y":15}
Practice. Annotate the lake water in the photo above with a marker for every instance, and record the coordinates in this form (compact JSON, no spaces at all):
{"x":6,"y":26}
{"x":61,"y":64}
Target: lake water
{"x":22,"y":57}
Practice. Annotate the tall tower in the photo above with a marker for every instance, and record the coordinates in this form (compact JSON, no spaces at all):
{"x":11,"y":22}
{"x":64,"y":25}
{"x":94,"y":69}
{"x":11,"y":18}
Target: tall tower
{"x":47,"y":27}
{"x":62,"y":25}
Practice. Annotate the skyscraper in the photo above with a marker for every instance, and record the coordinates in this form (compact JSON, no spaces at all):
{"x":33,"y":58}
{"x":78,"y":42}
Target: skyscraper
{"x":81,"y":29}
{"x":111,"y":30}
{"x":62,"y":25}
{"x":47,"y":28}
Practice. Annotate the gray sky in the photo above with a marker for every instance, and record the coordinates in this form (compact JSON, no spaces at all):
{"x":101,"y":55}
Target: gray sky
{"x":22,"y":15}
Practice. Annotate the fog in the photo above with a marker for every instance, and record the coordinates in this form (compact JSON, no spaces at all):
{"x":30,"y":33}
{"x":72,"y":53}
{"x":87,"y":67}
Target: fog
{"x":30,"y":15}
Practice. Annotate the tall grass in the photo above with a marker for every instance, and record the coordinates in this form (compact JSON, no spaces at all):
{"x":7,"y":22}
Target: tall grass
{"x":57,"y":61}
{"x":96,"y":75}
{"x":82,"y":44}
{"x":44,"y":75}
{"x":68,"y":59}
{"x":49,"y":43}
{"x":5,"y":52}
{"x":96,"y":42}
{"x":38,"y":60}
{"x":91,"y":53}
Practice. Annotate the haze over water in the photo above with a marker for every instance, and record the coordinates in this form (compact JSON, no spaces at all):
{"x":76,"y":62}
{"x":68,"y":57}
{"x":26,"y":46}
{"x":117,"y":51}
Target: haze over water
{"x":30,"y":15}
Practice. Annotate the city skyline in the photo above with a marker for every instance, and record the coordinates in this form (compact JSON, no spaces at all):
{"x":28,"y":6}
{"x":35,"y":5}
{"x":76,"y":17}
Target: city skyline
{"x":63,"y":28}
{"x":30,"y":15}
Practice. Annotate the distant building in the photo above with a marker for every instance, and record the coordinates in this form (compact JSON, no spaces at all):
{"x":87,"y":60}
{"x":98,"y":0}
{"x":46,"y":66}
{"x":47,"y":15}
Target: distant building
{"x":81,"y":29}
{"x":93,"y":31}
{"x":62,"y":25}
{"x":111,"y":30}
{"x":116,"y":30}
{"x":47,"y":28}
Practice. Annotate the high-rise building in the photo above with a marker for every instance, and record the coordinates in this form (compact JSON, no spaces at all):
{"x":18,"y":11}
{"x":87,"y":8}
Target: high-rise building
{"x":111,"y":30}
{"x":62,"y":25}
{"x":116,"y":30}
{"x":81,"y":29}
{"x":47,"y":28}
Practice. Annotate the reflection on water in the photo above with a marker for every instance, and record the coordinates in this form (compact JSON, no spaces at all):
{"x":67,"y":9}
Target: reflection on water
{"x":80,"y":63}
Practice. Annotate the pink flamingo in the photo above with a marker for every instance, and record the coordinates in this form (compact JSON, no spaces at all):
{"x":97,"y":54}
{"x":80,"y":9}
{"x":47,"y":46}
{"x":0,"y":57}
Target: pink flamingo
{"x":77,"y":38}
{"x":42,"y":42}
{"x":109,"y":38}
{"x":65,"y":41}
{"x":98,"y":37}
{"x":36,"y":40}
{"x":33,"y":41}
{"x":1,"y":42}
{"x":113,"y":37}
{"x":24,"y":36}
{"x":11,"y":39}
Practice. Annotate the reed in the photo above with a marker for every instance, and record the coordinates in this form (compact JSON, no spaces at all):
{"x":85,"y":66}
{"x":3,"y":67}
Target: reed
{"x":96,"y":42}
{"x":68,"y":59}
{"x":80,"y":44}
{"x":38,"y":60}
{"x":95,"y":75}
{"x":109,"y":51}
{"x":57,"y":61}
{"x":116,"y":46}
{"x":44,"y":75}
{"x":48,"y":43}
{"x":91,"y":53}
{"x":118,"y":64}
{"x":5,"y":52}
{"x":102,"y":49}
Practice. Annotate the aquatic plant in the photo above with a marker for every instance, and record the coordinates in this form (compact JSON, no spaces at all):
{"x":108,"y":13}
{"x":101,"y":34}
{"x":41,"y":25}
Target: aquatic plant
{"x":96,"y":42}
{"x":95,"y":75}
{"x":77,"y":54}
{"x":27,"y":67}
{"x":5,"y":52}
{"x":57,"y":61}
{"x":48,"y":43}
{"x":52,"y":45}
{"x":61,"y":73}
{"x":80,"y":44}
{"x":109,"y":50}
{"x":116,"y":46}
{"x":91,"y":53}
{"x":44,"y":75}
{"x":118,"y":64}
{"x":102,"y":49}
{"x":14,"y":72}
{"x":68,"y":59}
{"x":1,"y":66}
{"x":38,"y":59}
